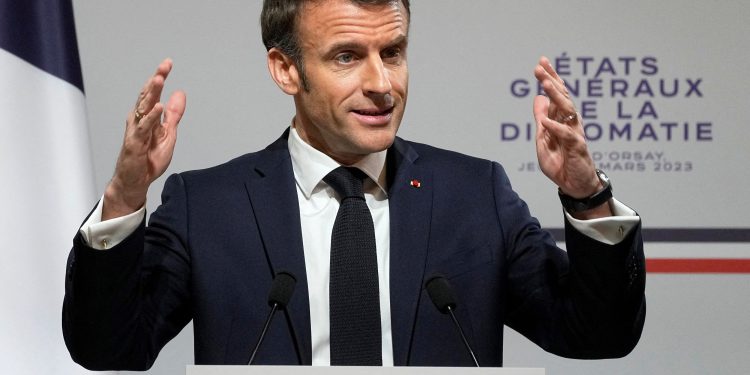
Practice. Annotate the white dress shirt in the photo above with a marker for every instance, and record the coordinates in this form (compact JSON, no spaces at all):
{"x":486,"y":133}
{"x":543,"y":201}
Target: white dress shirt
{"x":318,"y":204}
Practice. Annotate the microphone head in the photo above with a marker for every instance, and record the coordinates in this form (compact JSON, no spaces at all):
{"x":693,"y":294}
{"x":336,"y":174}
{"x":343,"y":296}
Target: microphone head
{"x":281,"y":289}
{"x":441,"y":293}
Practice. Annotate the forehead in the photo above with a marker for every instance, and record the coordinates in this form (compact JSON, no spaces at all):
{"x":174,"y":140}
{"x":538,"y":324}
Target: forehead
{"x":328,"y":21}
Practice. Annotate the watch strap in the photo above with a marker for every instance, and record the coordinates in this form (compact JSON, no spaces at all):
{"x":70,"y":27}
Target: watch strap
{"x":600,"y":197}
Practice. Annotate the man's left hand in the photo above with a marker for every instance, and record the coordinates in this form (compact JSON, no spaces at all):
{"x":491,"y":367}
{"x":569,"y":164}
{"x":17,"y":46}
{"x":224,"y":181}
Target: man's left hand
{"x":560,"y":140}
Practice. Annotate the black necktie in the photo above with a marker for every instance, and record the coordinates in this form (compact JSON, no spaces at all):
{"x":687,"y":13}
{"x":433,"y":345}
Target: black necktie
{"x":353,"y":291}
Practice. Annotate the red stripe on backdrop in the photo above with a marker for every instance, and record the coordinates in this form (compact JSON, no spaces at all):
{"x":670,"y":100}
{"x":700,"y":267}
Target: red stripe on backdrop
{"x":684,"y":265}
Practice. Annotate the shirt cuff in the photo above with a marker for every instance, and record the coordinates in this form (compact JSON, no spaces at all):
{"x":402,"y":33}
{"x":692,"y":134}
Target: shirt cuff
{"x":609,"y":230}
{"x":102,"y":235}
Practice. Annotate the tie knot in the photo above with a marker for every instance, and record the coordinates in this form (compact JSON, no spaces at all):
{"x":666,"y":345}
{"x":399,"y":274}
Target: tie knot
{"x":347,"y":181}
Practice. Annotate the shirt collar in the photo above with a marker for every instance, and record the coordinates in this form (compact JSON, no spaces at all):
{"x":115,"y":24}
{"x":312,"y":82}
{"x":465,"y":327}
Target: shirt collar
{"x":311,"y":165}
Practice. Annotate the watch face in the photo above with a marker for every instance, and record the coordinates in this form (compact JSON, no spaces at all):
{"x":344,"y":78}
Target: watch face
{"x":602,"y":177}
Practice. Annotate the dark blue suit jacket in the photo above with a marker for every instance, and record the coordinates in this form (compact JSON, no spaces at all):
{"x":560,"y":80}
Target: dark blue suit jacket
{"x":212,"y":248}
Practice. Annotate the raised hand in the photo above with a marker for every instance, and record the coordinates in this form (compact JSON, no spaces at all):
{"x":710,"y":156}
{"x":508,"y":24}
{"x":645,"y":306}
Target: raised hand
{"x":560,"y":140}
{"x":150,"y":137}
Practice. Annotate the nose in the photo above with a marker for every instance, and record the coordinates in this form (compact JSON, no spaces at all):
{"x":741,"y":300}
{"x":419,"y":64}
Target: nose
{"x":376,"y":79}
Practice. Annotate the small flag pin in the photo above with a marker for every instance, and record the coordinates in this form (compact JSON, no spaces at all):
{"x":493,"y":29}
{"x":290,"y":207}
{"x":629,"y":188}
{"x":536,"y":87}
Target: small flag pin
{"x":416,"y":183}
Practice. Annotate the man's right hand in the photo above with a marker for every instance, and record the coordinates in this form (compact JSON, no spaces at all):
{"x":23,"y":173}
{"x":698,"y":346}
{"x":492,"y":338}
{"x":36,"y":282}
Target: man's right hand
{"x":147,"y":148}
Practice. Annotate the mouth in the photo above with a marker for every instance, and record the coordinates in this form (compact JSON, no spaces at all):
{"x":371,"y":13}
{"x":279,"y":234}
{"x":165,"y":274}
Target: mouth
{"x":374,"y":116}
{"x":373,"y":111}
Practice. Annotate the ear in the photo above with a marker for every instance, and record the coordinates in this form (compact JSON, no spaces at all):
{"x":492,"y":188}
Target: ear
{"x":283,"y":71}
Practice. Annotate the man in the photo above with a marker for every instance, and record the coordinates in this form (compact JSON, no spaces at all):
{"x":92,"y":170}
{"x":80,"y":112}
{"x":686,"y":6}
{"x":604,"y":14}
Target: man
{"x":213,"y":247}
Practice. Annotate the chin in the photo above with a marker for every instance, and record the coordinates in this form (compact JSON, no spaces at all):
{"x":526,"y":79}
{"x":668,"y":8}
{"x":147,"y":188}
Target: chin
{"x":379,"y":141}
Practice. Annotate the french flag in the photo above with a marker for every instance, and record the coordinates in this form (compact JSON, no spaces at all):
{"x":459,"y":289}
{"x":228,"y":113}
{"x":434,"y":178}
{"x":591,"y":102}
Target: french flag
{"x":46,"y":179}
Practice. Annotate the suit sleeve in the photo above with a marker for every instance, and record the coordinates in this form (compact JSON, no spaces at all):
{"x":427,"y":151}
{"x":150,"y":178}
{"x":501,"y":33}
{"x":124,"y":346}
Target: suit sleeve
{"x":585,"y":303}
{"x":123,"y":305}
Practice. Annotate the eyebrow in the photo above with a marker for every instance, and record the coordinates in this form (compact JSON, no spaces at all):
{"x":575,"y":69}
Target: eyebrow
{"x":400,"y":40}
{"x":349,"y":45}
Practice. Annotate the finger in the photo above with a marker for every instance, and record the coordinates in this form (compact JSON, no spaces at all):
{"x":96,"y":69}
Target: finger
{"x":165,"y":66}
{"x":561,"y":105}
{"x":143,"y":130}
{"x":543,"y":76}
{"x":151,"y":92}
{"x":551,"y":82}
{"x":550,"y":70}
{"x":544,"y":72}
{"x":560,"y":100}
{"x":557,"y":130}
{"x":541,"y":109}
{"x":544,"y":123}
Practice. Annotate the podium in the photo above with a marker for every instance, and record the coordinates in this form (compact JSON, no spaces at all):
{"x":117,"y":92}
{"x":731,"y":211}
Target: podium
{"x":356,"y":370}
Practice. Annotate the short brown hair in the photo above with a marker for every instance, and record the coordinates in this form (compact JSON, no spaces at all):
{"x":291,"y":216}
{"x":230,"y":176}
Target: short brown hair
{"x":278,"y":23}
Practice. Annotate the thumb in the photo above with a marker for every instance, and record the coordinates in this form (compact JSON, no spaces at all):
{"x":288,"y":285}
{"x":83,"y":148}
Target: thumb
{"x":175,"y":109}
{"x":541,"y":106}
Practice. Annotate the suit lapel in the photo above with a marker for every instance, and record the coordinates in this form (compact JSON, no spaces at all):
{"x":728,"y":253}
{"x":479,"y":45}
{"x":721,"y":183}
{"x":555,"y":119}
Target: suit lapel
{"x":410,"y":205}
{"x":273,"y":197}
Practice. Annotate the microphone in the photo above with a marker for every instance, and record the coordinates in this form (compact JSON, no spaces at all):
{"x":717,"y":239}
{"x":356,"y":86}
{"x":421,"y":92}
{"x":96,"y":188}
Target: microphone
{"x":444,"y":298}
{"x":278,"y":297}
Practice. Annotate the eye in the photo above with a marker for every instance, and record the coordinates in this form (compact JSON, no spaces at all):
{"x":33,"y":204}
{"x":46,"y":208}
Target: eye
{"x":392,"y":53}
{"x":345,"y":58}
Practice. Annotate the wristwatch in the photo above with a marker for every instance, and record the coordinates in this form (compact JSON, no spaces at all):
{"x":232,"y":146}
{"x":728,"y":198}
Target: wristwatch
{"x":577,"y":205}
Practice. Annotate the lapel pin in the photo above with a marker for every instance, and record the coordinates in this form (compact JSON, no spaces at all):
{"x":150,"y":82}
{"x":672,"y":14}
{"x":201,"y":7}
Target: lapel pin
{"x":416,"y":183}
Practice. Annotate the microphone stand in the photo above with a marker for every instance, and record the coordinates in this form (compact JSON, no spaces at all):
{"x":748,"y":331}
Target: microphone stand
{"x":263,"y":333}
{"x":463,"y":337}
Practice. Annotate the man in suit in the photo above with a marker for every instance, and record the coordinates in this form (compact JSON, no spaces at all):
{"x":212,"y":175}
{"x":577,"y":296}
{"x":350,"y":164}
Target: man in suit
{"x":212,"y":248}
